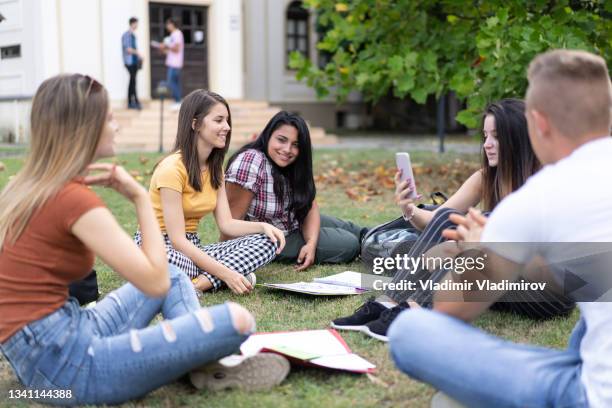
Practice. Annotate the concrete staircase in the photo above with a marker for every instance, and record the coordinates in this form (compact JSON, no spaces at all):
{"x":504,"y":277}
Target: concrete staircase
{"x":139,"y":130}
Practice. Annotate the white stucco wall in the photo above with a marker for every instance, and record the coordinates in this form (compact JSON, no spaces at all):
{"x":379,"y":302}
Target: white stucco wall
{"x":246,"y":47}
{"x":16,"y":74}
{"x":267,"y":76}
{"x":13,"y":75}
{"x":256,"y":49}
{"x":225,"y":57}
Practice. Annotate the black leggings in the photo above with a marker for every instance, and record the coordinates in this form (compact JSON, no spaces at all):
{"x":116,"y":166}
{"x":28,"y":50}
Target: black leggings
{"x":532,"y":304}
{"x":132,"y":98}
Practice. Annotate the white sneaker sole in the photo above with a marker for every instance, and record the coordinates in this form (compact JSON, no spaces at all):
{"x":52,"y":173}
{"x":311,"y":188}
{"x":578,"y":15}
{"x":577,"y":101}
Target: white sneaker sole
{"x":364,"y":329}
{"x":353,"y":328}
{"x":370,"y":333}
{"x":259,"y":372}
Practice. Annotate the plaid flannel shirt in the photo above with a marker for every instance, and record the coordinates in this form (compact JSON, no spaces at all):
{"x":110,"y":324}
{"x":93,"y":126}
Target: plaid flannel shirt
{"x":252,"y":171}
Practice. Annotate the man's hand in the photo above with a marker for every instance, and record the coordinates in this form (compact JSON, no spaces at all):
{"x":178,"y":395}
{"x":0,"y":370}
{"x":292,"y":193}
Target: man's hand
{"x":469,"y":227}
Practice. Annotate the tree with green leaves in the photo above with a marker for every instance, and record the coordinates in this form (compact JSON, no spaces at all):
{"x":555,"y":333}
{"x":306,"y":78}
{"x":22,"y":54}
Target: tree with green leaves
{"x":477,"y":49}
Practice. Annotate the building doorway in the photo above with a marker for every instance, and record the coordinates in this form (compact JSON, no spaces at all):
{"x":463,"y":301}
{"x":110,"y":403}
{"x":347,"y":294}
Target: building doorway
{"x":193,"y":22}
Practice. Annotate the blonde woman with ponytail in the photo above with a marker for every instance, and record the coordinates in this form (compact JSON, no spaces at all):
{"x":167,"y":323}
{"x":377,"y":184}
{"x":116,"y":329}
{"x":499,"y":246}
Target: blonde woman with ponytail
{"x":51,"y":228}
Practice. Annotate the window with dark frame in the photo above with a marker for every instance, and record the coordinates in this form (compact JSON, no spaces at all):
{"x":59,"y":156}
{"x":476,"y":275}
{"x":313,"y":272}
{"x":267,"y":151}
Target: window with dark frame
{"x":10,"y":51}
{"x":297,"y":32}
{"x":190,"y":23}
{"x":323,"y":57}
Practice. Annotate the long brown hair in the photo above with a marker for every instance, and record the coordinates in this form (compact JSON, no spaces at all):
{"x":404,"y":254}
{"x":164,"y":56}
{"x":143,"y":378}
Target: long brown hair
{"x":516,"y":159}
{"x":298,"y":175}
{"x":196,"y":106}
{"x":67,"y":119}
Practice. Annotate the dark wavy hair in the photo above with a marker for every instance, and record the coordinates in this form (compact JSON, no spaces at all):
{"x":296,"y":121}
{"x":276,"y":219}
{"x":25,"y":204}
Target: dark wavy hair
{"x":516,"y":158}
{"x":298,"y":174}
{"x":196,"y":106}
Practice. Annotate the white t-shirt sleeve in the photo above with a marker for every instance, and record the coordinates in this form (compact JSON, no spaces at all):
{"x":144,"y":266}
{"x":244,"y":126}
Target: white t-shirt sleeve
{"x":515,"y":227}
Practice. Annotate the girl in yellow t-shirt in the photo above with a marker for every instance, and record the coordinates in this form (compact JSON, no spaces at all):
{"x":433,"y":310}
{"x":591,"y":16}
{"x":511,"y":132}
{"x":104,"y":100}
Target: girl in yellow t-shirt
{"x":188,"y":184}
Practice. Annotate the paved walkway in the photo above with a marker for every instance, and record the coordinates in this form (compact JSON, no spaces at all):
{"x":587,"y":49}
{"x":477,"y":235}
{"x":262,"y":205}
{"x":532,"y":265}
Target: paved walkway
{"x":454,"y":144}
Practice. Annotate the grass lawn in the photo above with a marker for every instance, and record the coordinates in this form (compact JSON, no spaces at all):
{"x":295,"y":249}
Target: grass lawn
{"x":354,"y":185}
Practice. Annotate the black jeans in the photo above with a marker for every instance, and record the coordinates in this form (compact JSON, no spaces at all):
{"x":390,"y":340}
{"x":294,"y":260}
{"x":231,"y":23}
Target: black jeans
{"x":339,"y":242}
{"x":132,"y":98}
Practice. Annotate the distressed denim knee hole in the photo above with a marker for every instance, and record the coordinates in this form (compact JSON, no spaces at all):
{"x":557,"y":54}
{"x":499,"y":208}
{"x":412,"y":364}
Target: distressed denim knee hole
{"x":135,"y":341}
{"x":206,"y":323}
{"x":242,"y":320}
{"x":168,"y":332}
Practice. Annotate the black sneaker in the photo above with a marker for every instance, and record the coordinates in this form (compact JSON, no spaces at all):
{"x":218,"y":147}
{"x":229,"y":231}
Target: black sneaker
{"x":379,"y":327}
{"x":367,"y":312}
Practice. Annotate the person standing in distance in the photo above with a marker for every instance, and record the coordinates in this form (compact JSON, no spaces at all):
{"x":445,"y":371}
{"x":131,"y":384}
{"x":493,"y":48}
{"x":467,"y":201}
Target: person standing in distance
{"x":174,"y":46}
{"x":132,"y":60}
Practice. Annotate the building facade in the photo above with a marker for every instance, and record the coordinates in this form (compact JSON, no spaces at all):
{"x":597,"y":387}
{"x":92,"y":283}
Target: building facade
{"x":237,"y":48}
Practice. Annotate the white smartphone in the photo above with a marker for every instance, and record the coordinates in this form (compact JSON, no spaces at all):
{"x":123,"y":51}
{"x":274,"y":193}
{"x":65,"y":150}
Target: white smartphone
{"x":403,"y":163}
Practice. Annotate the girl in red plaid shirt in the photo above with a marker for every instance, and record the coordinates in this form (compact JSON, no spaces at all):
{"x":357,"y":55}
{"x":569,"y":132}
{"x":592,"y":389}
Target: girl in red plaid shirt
{"x":270,"y":180}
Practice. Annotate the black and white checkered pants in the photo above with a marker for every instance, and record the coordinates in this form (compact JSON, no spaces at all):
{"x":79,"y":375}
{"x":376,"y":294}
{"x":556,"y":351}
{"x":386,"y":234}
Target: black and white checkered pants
{"x":243,"y":255}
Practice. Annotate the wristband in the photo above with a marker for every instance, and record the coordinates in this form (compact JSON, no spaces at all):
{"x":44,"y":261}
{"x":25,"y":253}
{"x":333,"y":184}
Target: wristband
{"x":408,"y":218}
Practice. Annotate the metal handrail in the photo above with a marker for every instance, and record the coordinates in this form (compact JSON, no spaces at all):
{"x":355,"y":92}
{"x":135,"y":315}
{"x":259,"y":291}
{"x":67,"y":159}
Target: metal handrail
{"x":12,"y":98}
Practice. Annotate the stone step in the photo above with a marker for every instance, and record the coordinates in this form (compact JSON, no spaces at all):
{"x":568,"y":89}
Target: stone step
{"x":247,"y":103}
{"x":139,"y":130}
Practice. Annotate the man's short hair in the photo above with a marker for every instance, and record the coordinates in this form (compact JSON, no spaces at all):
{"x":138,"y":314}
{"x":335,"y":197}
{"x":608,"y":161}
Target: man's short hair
{"x":133,"y":20}
{"x":572,"y":88}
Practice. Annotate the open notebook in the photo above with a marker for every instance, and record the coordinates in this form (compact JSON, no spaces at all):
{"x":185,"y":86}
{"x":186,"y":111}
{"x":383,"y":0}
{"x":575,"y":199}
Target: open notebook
{"x":321,"y":348}
{"x":345,"y":283}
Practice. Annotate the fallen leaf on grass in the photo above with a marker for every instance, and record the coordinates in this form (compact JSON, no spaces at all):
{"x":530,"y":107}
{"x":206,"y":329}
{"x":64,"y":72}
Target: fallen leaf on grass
{"x":2,"y":166}
{"x":370,"y":179}
{"x":352,"y":193}
{"x":143,"y":160}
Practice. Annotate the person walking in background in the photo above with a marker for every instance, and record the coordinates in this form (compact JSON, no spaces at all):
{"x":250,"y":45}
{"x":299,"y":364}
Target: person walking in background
{"x":173,"y":46}
{"x":132,"y":60}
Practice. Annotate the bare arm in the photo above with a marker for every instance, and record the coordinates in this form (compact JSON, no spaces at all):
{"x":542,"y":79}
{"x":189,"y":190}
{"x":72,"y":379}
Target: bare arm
{"x":175,"y":228}
{"x":174,"y":48}
{"x":312,"y":225}
{"x":237,"y":228}
{"x":310,"y":231}
{"x":475,"y":302}
{"x":468,"y":195}
{"x":239,"y":200}
{"x":496,"y":268}
{"x":145,"y":268}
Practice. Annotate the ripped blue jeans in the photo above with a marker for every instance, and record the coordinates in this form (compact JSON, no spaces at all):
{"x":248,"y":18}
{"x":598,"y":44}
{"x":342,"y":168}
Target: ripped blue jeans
{"x":109,"y":354}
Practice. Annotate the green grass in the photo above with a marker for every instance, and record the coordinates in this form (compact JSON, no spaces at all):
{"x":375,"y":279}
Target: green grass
{"x":365,"y":172}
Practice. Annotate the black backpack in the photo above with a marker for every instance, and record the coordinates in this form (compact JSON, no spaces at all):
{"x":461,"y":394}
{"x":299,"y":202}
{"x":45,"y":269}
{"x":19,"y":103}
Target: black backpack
{"x":394,"y":237}
{"x":85,"y":290}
